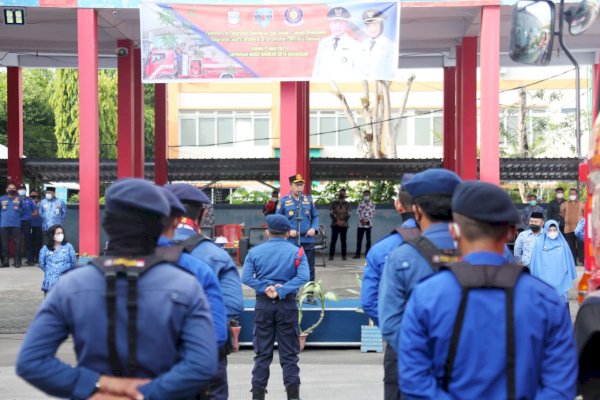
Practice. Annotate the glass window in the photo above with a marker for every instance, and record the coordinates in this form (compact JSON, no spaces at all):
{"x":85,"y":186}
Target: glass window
{"x":314,"y":130}
{"x":422,"y":131}
{"x":261,"y":131}
{"x":328,"y":129}
{"x":187,"y":127}
{"x":225,"y":131}
{"x":207,"y":131}
{"x":346,"y":137}
{"x":402,"y":132}
{"x":438,"y":131}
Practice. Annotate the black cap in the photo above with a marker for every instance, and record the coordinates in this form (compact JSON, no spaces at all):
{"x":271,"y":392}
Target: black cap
{"x":339,"y":13}
{"x":50,"y":189}
{"x":136,"y":194}
{"x":484,"y":202}
{"x":296,"y":178}
{"x":22,"y":186}
{"x":537,"y":215}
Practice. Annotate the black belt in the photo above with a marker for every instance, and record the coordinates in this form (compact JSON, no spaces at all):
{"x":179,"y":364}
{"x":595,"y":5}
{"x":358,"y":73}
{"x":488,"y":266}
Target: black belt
{"x":289,"y":297}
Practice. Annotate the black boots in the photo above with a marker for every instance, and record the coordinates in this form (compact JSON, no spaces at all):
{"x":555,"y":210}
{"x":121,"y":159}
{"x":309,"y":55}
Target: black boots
{"x":293,"y":392}
{"x":258,"y":393}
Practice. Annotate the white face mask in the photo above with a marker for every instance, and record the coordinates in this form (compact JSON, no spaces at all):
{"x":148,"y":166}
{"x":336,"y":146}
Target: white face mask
{"x":559,"y":195}
{"x":59,"y":237}
{"x":552,"y":235}
{"x":21,"y":192}
{"x":48,"y":196}
{"x":572,"y":197}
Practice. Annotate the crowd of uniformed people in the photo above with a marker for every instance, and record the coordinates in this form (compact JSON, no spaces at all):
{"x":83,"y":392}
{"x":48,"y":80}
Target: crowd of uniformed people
{"x":151,"y":318}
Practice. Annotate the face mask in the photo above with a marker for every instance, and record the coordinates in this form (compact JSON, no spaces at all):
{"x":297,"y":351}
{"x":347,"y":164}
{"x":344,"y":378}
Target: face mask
{"x":59,"y":237}
{"x":34,"y":196}
{"x":535,"y":228}
{"x":48,"y":196}
{"x":274,"y":199}
{"x":559,"y":195}
{"x":21,"y":193}
{"x":552,"y":235}
{"x":12,"y":192}
{"x":367,"y":198}
{"x":572,"y":197}
{"x":533,"y":203}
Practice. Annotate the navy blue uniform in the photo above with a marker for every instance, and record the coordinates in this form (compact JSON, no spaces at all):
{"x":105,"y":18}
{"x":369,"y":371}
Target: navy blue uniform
{"x":11,"y":211}
{"x":276,"y":262}
{"x":26,"y":223}
{"x":546,"y":359}
{"x":288,"y":207}
{"x":176,"y":341}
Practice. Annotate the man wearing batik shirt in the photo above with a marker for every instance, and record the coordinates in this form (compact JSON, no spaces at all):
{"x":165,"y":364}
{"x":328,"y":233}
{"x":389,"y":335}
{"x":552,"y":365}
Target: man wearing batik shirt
{"x":366,"y":213}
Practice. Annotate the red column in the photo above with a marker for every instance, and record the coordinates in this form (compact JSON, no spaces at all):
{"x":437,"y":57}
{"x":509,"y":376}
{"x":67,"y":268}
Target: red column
{"x":489,"y":72}
{"x":294,"y":134}
{"x":459,"y":111}
{"x":160,"y":134}
{"x":89,"y":149}
{"x":596,"y":91}
{"x":15,"y":123}
{"x":449,"y":118}
{"x":138,"y":116}
{"x":468,"y":136}
{"x":125,"y":111}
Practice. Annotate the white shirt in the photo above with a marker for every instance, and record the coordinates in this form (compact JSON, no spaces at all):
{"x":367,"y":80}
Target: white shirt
{"x":342,"y":62}
{"x":379,"y":57}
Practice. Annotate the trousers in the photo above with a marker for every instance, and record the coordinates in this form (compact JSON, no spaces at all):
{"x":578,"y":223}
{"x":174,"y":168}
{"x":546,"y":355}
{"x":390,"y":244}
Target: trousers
{"x":391,"y":389}
{"x":8,"y":234}
{"x":359,"y":237}
{"x":335,"y":231}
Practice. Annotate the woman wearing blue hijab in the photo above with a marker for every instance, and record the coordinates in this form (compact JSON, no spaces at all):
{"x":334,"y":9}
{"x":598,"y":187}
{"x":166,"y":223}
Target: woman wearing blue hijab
{"x":552,"y":260}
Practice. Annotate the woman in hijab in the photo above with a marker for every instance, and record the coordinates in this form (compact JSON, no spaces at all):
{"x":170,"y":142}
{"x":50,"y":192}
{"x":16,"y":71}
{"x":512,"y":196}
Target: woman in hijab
{"x":552,"y":260}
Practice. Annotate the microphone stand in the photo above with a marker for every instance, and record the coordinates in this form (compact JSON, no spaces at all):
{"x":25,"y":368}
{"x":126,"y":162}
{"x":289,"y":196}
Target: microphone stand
{"x":298,"y":217}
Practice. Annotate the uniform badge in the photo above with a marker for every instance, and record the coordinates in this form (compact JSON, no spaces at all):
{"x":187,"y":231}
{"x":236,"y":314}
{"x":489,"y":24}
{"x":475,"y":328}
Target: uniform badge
{"x":233,"y":17}
{"x":290,"y":213}
{"x":263,"y":16}
{"x":293,"y":16}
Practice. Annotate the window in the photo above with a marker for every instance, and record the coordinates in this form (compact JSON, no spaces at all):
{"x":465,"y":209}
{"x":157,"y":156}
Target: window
{"x":429,"y":128}
{"x":220,"y":128}
{"x":331,"y":128}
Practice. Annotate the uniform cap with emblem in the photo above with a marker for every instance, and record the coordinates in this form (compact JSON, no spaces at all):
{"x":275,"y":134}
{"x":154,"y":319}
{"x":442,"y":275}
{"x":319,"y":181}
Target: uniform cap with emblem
{"x":174,"y":203}
{"x":188,"y":193}
{"x":339,"y":13}
{"x":277,"y":222}
{"x":130,"y":194}
{"x":372,"y":16}
{"x":485,"y":202}
{"x":433,"y":181}
{"x":296,"y":178}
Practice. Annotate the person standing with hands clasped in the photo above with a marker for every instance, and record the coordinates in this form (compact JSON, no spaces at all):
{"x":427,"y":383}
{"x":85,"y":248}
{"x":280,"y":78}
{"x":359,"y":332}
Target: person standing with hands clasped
{"x":276,"y":270}
{"x":340,"y":212}
{"x":56,"y":257}
{"x":365,"y":212}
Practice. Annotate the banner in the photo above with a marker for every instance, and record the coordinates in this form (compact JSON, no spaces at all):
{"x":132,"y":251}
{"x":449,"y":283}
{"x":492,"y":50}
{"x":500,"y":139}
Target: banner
{"x":342,"y":41}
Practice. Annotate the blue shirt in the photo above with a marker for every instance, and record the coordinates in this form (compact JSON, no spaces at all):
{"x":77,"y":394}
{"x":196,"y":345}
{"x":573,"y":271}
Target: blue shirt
{"x":546,"y":359}
{"x":274,"y":262}
{"x":54,"y":262}
{"x":288,"y":207}
{"x":369,"y":290}
{"x":209,"y":282}
{"x":52,"y":212}
{"x":404,"y":267}
{"x":11,"y":211}
{"x":223,"y":266}
{"x":36,"y":218}
{"x":524,"y":246}
{"x":28,"y":208}
{"x":176,"y":342}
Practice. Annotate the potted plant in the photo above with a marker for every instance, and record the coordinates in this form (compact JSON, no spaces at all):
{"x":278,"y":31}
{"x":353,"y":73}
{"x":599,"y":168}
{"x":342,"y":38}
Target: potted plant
{"x":370,"y":335}
{"x":315,"y":289}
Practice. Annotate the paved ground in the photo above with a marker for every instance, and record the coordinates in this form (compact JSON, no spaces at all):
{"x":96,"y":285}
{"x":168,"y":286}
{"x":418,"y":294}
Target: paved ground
{"x":326,"y":373}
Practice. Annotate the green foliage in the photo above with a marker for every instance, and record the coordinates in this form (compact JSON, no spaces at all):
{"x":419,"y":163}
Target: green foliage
{"x":149,"y":121}
{"x":317,"y":290}
{"x":382,"y":192}
{"x":74,"y":199}
{"x":243,"y":196}
{"x":107,"y":98}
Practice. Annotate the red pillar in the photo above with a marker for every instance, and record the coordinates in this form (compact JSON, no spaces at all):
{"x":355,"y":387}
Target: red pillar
{"x":489,"y":67}
{"x":138,"y":116}
{"x":160,"y":134}
{"x":89,"y":149}
{"x":468,"y":135}
{"x":15,"y":124}
{"x":459,"y":113}
{"x":596,"y":91}
{"x":125,"y":111}
{"x":294,"y":134}
{"x":449,"y":118}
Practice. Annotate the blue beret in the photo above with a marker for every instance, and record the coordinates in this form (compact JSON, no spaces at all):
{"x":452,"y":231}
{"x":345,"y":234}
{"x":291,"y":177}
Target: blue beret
{"x":174,"y":203}
{"x":431,"y":182}
{"x":277,"y":222}
{"x":485,"y":202}
{"x":136,"y":194}
{"x":187,"y":193}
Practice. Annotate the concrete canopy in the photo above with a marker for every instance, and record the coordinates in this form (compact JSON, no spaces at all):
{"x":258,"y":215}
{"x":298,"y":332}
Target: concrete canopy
{"x":429,"y":33}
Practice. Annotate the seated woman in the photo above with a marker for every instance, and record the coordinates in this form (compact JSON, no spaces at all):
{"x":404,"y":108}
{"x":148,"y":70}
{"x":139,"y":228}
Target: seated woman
{"x":552,"y":261}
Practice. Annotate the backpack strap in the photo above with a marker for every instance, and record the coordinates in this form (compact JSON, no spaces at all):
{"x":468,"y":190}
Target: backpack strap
{"x":170,"y":254}
{"x":298,"y":257}
{"x":114,"y":268}
{"x":485,"y":277}
{"x":434,"y":256}
{"x":191,"y":242}
{"x":408,"y":233}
